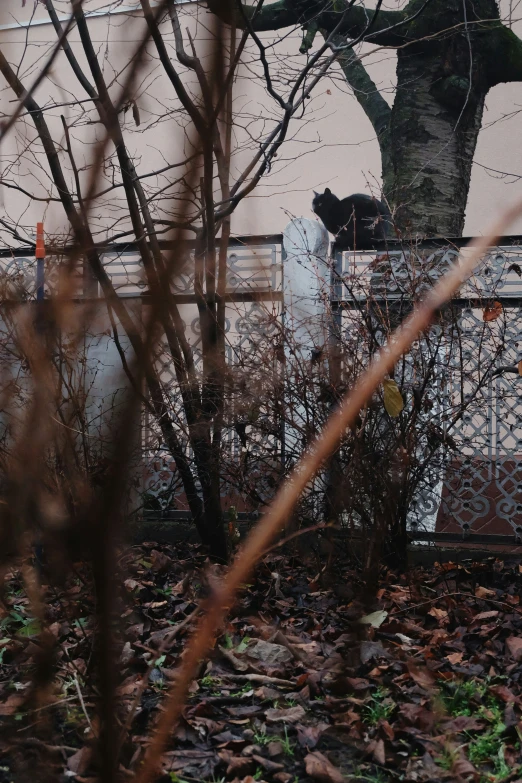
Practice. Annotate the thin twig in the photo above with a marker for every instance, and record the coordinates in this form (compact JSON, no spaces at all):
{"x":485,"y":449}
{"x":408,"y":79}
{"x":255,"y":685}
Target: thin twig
{"x":297,"y":533}
{"x":458,"y":594}
{"x":84,"y":708}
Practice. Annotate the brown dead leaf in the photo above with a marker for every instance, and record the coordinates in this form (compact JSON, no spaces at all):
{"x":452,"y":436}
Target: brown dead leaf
{"x":10,"y":705}
{"x":388,"y":730}
{"x":455,"y":657}
{"x":268,"y":765}
{"x":422,"y":676}
{"x":160,"y":562}
{"x":492,"y":312}
{"x":393,"y":401}
{"x":239,"y":665}
{"x":503,"y":693}
{"x":514,"y":645}
{"x":418,"y":715}
{"x":379,"y":753}
{"x":238,"y":765}
{"x":191,"y":762}
{"x":270,"y":654}
{"x":463,"y":769}
{"x":486,"y":615}
{"x":308,"y":736}
{"x":424,"y":770}
{"x":319,"y":768}
{"x":130,"y":686}
{"x":80,"y":760}
{"x":370,"y":650}
{"x":275,"y":749}
{"x":266,"y":693}
{"x":283,"y":777}
{"x":462,"y":723}
{"x":289,"y":715}
{"x":245,"y":711}
{"x":439,"y":635}
{"x":439,"y":614}
{"x":484,"y":592}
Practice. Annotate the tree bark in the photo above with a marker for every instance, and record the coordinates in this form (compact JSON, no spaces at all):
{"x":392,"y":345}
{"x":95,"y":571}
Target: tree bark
{"x":435,"y":120}
{"x":432,"y":143}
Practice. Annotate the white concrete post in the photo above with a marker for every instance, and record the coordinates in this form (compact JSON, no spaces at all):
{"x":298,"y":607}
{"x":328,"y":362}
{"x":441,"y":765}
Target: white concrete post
{"x":306,"y":296}
{"x":306,"y":282}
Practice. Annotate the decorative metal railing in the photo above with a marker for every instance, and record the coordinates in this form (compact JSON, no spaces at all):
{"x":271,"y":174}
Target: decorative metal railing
{"x":474,"y":487}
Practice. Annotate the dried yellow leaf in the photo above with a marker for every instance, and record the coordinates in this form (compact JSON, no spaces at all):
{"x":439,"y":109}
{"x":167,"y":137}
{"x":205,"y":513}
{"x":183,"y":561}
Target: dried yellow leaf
{"x":393,"y":401}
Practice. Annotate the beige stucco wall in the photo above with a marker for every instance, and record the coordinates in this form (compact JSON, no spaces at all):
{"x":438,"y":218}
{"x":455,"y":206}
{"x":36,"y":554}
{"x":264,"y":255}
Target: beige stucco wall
{"x":333,"y":144}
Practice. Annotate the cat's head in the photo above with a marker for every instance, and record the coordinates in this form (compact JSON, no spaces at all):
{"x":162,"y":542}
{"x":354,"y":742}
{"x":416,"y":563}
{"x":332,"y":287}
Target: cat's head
{"x":322,"y":201}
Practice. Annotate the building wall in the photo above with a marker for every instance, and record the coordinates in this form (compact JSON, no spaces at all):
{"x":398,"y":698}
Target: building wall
{"x":333,"y":144}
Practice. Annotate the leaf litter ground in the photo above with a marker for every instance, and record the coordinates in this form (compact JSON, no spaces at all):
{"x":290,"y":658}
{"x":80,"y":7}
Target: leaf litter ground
{"x":426,"y":688}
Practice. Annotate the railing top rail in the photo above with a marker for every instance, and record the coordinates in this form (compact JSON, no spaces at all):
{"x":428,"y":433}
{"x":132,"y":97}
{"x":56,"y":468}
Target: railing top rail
{"x":132,"y":247}
{"x":513,"y":240}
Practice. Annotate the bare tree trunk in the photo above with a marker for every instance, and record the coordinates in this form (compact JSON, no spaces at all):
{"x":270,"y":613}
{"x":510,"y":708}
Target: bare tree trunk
{"x":433,"y":134}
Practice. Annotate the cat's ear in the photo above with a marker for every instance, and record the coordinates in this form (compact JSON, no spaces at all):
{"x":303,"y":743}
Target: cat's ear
{"x":316,"y":194}
{"x":327,"y":192}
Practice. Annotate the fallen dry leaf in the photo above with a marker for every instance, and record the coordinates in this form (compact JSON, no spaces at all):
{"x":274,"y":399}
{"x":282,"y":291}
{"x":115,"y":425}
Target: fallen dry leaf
{"x":192,"y":763}
{"x":239,"y":665}
{"x":422,"y":676}
{"x":319,"y":768}
{"x":462,"y":723}
{"x":464,"y":769}
{"x":11,"y":704}
{"x":455,"y":657}
{"x":486,"y":615}
{"x":375,"y":619}
{"x":371,"y":650}
{"x":268,"y":765}
{"x":80,"y":760}
{"x":484,"y":592}
{"x":238,"y":765}
{"x":514,"y":645}
{"x":378,"y":752}
{"x":418,"y":716}
{"x":504,"y":693}
{"x":439,"y":614}
{"x":308,"y":736}
{"x":282,"y":777}
{"x":159,"y":561}
{"x":271,"y":654}
{"x":290,"y":715}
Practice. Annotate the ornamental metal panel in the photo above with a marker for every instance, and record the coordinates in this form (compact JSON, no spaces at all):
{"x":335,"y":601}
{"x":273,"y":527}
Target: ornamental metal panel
{"x":252,"y":437}
{"x":475,"y":484}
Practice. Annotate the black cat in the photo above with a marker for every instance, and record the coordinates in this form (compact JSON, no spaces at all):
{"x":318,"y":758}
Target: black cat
{"x":356,"y":221}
